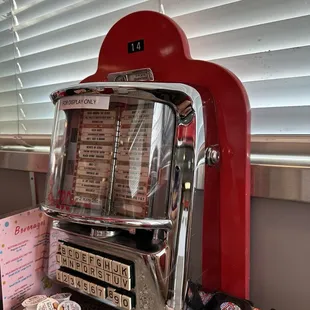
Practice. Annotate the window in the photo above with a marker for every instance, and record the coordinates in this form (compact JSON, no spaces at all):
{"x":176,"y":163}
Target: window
{"x":48,"y":44}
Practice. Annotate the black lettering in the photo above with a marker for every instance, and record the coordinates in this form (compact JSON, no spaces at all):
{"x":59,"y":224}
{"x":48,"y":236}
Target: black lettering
{"x":108,"y":277}
{"x":99,"y":262}
{"x":100,"y":273}
{"x":116,"y":280}
{"x":116,"y":268}
{"x":92,"y":271}
{"x":84,"y":257}
{"x":116,"y":299}
{"x":78,"y":283}
{"x":107,"y":265}
{"x":110,"y":294}
{"x":77,"y":255}
{"x":100,"y":292}
{"x":124,"y":271}
{"x":124,"y":283}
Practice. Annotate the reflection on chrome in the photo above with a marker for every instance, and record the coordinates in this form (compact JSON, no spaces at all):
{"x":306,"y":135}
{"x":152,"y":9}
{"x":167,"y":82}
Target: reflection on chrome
{"x":176,"y":166}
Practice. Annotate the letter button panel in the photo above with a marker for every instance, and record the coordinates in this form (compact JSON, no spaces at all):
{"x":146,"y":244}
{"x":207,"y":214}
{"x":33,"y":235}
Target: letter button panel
{"x":97,"y":274}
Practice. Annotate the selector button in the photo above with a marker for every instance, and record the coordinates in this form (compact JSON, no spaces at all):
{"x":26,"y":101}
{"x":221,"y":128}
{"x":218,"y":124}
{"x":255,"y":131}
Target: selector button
{"x":99,"y":261}
{"x":70,"y":252}
{"x":116,"y":267}
{"x":58,"y":259}
{"x":59,"y":275}
{"x":63,"y":250}
{"x":79,"y":283}
{"x":117,"y":299}
{"x":101,"y":292}
{"x":93,"y":289}
{"x":92,"y":259}
{"x":85,"y":286}
{"x":125,"y":271}
{"x":126,"y":302}
{"x":110,"y":292}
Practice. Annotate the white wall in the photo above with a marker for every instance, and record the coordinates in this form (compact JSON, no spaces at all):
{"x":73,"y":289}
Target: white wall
{"x":280,"y":252}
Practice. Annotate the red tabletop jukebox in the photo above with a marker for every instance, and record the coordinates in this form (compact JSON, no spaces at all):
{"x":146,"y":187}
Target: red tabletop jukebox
{"x":149,"y":173}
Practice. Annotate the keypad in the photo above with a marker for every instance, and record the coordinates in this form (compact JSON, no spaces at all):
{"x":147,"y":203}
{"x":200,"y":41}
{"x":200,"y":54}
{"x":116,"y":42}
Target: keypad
{"x":96,"y":274}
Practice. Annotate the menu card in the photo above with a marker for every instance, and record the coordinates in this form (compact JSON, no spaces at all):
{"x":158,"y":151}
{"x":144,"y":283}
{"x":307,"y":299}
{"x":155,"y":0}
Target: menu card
{"x":23,"y":253}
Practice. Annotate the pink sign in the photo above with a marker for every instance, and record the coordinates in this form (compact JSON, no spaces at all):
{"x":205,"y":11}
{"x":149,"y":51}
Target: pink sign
{"x":23,"y":253}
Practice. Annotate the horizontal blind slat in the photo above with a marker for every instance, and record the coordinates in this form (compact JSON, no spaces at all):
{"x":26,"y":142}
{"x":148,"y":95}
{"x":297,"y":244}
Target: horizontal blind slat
{"x":281,"y":120}
{"x":32,"y":127}
{"x":279,"y":92}
{"x":286,"y":63}
{"x":5,"y":7}
{"x":42,"y":110}
{"x":9,"y":128}
{"x":5,"y":23}
{"x":31,"y":95}
{"x":241,"y":14}
{"x":78,"y":32}
{"x":63,"y":55}
{"x":43,"y":8}
{"x":175,"y":8}
{"x":25,"y":4}
{"x":80,"y":18}
{"x":7,"y":52}
{"x":59,"y":74}
{"x":8,"y":114}
{"x":6,"y":38}
{"x":272,"y":36}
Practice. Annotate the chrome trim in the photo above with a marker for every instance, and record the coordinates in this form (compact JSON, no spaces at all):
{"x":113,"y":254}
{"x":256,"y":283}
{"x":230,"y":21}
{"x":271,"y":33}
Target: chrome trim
{"x":283,"y":183}
{"x":132,"y":76}
{"x":25,"y":161}
{"x":113,"y":222}
{"x":24,"y":142}
{"x":280,"y":160}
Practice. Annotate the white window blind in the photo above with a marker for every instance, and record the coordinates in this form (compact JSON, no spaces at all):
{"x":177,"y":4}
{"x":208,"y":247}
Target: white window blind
{"x":49,"y":44}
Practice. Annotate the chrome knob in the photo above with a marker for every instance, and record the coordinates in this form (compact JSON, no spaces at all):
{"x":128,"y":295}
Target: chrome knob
{"x":212,"y":155}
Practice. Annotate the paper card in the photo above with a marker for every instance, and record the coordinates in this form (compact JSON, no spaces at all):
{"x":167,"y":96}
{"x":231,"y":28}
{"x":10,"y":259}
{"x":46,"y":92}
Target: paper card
{"x":23,"y":253}
{"x":85,"y":102}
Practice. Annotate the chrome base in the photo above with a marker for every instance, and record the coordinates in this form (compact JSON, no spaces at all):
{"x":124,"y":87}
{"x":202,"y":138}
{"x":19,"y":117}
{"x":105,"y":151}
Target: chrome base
{"x":151,"y":268}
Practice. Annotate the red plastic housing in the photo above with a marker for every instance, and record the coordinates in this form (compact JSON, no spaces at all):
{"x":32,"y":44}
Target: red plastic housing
{"x":227,"y":188}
